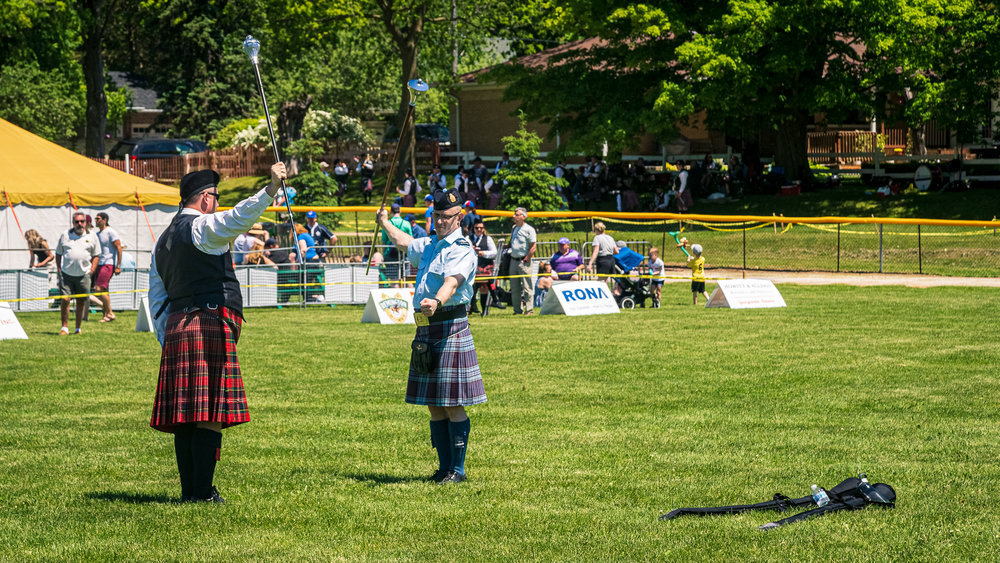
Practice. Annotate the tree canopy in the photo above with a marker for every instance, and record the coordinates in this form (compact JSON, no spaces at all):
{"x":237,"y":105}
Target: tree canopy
{"x":757,"y":68}
{"x":754,"y":69}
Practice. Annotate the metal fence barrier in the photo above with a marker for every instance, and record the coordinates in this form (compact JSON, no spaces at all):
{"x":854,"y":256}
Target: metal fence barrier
{"x":262,"y":286}
{"x":856,"y":245}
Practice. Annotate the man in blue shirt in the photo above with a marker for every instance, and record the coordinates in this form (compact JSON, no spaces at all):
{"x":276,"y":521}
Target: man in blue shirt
{"x":444,"y":371}
{"x":418,"y":231}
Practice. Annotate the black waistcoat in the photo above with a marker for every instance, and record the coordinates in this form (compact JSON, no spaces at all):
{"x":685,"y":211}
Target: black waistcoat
{"x":191,"y":277}
{"x":483,"y":262}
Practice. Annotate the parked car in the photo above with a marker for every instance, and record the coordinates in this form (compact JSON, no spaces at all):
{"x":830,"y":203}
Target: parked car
{"x":142,"y":149}
{"x":425,"y":133}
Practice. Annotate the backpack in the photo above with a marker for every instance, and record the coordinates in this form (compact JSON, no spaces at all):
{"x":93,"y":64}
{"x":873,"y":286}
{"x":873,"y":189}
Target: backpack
{"x":851,"y":493}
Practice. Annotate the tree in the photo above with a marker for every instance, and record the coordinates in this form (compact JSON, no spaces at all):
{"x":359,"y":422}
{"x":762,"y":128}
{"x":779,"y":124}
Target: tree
{"x":524,"y":182}
{"x":48,"y":104}
{"x":39,"y":77}
{"x":943,"y":61}
{"x":763,"y":67}
{"x":191,"y":52}
{"x":92,"y":23}
{"x":752,"y":67}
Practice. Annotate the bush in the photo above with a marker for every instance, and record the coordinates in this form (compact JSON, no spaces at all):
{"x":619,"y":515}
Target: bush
{"x":525,"y":183}
{"x":226,"y":136}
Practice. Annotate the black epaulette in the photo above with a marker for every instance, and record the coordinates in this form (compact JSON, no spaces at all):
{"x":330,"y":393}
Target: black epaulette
{"x":462,"y":241}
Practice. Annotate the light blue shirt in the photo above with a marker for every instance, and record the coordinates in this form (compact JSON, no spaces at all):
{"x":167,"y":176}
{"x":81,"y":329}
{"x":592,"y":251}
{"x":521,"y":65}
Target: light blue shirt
{"x":437,"y":259}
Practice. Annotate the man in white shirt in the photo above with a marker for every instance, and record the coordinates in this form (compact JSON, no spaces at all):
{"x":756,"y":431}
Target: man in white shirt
{"x":110,"y":263}
{"x":522,"y":248}
{"x":197,"y":309}
{"x":77,"y":255}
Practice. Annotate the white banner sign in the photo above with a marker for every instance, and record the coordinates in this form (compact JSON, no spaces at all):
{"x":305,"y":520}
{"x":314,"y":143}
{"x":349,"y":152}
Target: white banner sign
{"x":575,"y":298}
{"x":745,"y":294}
{"x":144,"y":320}
{"x":389,"y":307}
{"x":10,"y":328}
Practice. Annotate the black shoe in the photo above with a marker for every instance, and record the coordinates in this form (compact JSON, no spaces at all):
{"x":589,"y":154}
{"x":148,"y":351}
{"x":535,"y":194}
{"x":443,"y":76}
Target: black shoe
{"x":452,"y":477}
{"x":499,"y":305}
{"x":438,"y":475}
{"x":215,"y":497}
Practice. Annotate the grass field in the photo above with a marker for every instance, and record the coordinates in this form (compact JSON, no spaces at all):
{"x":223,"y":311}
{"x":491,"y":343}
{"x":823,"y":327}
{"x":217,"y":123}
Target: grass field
{"x":594,"y":427}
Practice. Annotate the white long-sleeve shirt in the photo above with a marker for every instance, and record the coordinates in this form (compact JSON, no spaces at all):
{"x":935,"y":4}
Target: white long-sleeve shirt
{"x":211,"y":233}
{"x":490,"y":252}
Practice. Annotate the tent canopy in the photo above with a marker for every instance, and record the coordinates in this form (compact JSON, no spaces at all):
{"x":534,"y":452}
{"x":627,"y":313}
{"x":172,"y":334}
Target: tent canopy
{"x":43,"y":174}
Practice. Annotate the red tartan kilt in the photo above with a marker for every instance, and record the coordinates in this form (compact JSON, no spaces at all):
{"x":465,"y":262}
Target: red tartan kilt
{"x":200,"y":377}
{"x":485,"y":271}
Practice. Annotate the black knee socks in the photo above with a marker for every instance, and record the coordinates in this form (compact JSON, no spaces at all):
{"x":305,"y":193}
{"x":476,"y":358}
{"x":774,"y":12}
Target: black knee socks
{"x":185,"y":460}
{"x":205,"y":449}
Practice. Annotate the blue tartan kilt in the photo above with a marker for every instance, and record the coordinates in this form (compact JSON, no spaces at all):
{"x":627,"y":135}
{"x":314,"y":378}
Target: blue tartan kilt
{"x":455,"y":379}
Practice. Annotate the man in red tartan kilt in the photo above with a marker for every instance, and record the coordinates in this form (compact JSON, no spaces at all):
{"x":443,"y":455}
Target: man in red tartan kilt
{"x":198,"y":314}
{"x":444,"y":370}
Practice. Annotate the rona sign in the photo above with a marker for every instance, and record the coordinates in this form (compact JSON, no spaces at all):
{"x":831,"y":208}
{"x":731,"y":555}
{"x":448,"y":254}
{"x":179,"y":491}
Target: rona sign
{"x":576,"y":298}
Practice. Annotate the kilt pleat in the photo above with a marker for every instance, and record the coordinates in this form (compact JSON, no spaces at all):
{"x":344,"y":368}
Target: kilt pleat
{"x":200,"y":379}
{"x":456,"y":380}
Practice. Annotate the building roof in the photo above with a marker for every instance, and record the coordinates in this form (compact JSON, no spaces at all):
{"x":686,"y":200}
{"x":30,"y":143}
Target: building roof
{"x":542,"y":59}
{"x":143,"y":98}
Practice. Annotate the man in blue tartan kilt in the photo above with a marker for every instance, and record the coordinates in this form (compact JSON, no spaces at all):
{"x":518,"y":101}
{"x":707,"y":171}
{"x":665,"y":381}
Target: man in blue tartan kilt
{"x":198,"y":315}
{"x":444,"y":371}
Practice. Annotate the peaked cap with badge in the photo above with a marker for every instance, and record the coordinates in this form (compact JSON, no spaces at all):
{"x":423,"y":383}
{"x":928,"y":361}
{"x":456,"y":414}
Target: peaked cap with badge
{"x":446,"y":199}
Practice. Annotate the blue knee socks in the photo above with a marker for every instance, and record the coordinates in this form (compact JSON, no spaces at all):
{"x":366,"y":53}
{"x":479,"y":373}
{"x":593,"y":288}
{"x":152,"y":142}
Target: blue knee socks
{"x":442,"y":442}
{"x":459,"y":432}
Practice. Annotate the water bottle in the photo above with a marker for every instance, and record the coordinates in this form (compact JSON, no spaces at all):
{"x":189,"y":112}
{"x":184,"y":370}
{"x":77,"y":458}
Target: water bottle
{"x":820,"y":496}
{"x":870,"y":492}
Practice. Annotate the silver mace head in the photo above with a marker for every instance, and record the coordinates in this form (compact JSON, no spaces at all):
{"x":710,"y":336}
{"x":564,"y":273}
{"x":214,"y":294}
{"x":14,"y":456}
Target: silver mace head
{"x":417,"y":86}
{"x":251,"y":47}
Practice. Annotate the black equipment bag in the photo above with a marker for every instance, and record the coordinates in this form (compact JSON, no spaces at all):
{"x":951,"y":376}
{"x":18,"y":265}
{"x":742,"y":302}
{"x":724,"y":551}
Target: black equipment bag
{"x":850,"y":494}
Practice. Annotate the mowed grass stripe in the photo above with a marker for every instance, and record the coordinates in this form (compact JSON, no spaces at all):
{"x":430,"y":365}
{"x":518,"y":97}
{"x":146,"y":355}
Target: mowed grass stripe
{"x":594,"y":427}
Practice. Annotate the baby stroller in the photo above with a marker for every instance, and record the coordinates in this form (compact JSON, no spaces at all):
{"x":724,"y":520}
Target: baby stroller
{"x":630,"y":288}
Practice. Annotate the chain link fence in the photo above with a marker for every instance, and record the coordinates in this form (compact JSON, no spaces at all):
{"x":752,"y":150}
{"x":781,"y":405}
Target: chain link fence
{"x":900,"y":246}
{"x":943,"y":248}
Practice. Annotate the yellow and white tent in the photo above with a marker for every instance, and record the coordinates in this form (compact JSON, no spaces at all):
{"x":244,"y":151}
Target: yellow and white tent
{"x":42,"y":184}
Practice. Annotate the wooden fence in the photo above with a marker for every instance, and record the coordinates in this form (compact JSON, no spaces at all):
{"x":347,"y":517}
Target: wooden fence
{"x":235,"y":163}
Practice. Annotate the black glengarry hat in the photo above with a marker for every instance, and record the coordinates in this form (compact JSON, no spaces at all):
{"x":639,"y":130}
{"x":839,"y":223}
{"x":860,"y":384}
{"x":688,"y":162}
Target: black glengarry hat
{"x":446,"y":199}
{"x":197,"y":182}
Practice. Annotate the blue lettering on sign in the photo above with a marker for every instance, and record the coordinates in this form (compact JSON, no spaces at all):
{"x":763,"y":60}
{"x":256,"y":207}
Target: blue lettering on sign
{"x":582,"y":294}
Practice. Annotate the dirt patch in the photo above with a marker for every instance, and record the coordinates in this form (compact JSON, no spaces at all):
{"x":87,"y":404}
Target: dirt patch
{"x":827,"y":278}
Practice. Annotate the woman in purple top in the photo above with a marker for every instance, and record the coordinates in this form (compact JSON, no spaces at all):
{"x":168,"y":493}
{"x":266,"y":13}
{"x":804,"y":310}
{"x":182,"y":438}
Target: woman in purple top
{"x":566,"y":262}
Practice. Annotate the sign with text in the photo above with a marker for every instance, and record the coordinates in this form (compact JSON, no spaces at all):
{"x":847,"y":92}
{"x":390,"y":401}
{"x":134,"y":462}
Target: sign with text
{"x":10,"y":328}
{"x":576,"y":298}
{"x":389,"y":307}
{"x":745,"y":294}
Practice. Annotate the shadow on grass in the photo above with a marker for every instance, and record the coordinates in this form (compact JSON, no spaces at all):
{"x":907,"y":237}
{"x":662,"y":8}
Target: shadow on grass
{"x":133,"y":498}
{"x":382,"y":479}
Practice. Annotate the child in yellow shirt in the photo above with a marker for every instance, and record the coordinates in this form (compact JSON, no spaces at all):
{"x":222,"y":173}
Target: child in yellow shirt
{"x":697,"y":264}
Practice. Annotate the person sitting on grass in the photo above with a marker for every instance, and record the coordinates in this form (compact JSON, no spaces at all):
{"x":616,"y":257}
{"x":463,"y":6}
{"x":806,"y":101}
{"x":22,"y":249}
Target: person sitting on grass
{"x":697,"y":264}
{"x":543,"y":284}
